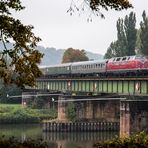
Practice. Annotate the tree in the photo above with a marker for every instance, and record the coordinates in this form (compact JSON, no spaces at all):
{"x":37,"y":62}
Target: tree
{"x":126,"y":37}
{"x":96,"y":6}
{"x":144,"y":34}
{"x":131,"y":33}
{"x":138,"y":41}
{"x":111,"y":51}
{"x":10,"y":90}
{"x":74,"y":55}
{"x":121,"y":38}
{"x":18,"y":65}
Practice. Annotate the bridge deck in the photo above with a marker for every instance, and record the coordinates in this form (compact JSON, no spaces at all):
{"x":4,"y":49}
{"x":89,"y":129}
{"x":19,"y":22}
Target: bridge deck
{"x":122,"y":86}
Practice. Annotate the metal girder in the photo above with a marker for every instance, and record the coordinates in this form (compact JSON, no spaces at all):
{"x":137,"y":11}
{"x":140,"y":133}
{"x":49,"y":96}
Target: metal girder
{"x":120,"y":86}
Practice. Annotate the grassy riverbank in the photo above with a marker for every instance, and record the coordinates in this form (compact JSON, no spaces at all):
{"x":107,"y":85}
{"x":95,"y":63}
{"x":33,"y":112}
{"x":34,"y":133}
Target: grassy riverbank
{"x":13,"y":114}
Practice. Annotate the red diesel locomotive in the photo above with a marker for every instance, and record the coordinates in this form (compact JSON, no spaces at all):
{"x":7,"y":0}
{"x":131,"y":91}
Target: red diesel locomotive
{"x":127,"y":64}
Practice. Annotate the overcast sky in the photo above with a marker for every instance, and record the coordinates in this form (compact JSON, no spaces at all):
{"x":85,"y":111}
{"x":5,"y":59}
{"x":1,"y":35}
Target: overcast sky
{"x":60,"y":30}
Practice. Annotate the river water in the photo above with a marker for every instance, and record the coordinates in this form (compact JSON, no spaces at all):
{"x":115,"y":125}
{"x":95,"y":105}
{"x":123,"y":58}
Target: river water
{"x":55,"y":140}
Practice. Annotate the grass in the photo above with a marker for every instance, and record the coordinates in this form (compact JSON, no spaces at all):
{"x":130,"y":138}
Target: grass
{"x":15,"y":113}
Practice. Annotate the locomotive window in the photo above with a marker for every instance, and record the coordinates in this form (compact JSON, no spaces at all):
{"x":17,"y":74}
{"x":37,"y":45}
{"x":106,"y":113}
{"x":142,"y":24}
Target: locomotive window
{"x":118,"y":59}
{"x":128,"y":58}
{"x":124,"y":58}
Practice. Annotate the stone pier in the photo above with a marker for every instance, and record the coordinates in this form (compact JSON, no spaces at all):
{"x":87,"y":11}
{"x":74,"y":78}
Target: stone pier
{"x":124,"y":119}
{"x":61,"y":109}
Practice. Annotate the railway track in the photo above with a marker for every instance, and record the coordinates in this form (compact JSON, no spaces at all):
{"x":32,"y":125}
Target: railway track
{"x":96,"y":78}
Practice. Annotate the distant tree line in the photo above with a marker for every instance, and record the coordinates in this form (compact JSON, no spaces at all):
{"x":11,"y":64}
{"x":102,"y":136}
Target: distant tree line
{"x":130,"y":41}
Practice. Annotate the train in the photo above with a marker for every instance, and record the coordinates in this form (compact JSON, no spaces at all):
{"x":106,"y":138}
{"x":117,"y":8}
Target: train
{"x":127,"y":65}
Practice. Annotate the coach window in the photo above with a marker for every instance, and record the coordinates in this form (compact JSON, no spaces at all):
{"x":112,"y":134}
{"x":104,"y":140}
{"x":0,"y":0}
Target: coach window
{"x":118,"y":59}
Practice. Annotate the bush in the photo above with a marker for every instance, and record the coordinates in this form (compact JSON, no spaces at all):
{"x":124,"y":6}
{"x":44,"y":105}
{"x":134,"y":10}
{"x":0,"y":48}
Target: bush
{"x":14,"y":143}
{"x":135,"y":141}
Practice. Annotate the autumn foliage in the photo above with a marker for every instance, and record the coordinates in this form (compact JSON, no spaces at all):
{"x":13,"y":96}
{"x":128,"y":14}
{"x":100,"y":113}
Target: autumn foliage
{"x":74,"y":55}
{"x":19,"y":63}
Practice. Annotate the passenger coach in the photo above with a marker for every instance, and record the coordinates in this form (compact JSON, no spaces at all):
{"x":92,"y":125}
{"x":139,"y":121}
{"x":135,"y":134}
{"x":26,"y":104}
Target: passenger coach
{"x":88,"y":67}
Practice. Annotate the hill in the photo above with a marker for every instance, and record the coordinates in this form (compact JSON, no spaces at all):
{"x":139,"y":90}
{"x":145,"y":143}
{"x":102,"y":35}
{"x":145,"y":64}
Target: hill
{"x":54,"y":56}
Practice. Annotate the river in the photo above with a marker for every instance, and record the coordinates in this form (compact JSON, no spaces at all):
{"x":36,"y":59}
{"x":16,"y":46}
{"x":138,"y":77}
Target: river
{"x":55,"y":140}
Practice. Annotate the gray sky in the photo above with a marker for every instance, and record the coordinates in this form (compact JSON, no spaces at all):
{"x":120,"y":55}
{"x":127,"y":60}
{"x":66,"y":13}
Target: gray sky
{"x":60,"y":30}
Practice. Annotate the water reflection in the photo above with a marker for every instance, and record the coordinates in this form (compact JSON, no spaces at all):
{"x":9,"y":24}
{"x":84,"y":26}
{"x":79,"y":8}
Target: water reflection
{"x":20,"y":131}
{"x":55,"y":140}
{"x":77,"y":136}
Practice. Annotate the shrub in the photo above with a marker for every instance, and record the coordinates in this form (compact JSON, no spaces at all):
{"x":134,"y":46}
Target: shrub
{"x":134,"y":141}
{"x":14,"y":143}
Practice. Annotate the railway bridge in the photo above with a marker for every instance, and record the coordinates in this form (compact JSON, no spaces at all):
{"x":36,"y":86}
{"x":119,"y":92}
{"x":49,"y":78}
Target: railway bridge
{"x":114,"y":99}
{"x":121,"y":86}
